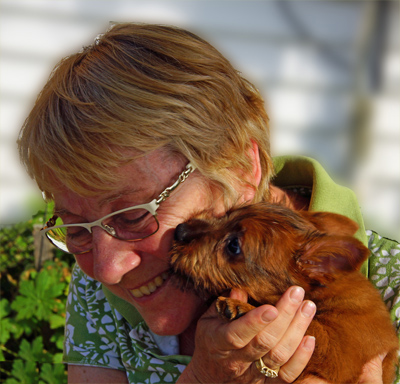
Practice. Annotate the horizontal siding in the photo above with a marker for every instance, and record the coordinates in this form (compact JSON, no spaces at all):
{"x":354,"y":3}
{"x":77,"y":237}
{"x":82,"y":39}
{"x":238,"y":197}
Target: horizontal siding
{"x":311,"y":60}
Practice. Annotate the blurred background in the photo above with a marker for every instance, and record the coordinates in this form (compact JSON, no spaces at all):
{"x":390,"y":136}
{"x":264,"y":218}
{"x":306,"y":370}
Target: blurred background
{"x":329,"y":72}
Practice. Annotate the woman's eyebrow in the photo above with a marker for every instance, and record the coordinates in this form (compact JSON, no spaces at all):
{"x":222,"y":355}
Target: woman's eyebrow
{"x":120,"y":194}
{"x":108,"y":199}
{"x":112,"y":198}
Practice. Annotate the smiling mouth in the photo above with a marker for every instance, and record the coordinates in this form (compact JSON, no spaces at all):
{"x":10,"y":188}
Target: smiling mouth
{"x":149,"y":288}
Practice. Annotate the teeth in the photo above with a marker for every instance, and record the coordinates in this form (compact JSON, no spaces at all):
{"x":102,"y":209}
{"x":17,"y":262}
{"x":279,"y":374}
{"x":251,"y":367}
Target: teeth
{"x":136,"y":293}
{"x":148,"y":289}
{"x":145,"y":290}
{"x":152,"y":287}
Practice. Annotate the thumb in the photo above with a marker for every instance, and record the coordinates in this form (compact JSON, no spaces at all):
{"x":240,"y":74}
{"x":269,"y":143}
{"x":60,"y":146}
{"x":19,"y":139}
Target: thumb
{"x":372,"y":371}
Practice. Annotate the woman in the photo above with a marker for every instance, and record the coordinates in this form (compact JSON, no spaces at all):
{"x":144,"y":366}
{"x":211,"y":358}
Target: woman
{"x":153,"y":121}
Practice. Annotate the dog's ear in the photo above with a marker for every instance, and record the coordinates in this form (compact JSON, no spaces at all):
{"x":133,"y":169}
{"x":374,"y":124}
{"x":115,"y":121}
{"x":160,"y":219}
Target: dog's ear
{"x":331,"y":223}
{"x":325,"y":258}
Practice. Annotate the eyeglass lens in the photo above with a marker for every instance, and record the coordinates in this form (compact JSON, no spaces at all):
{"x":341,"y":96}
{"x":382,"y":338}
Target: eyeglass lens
{"x":134,"y":224}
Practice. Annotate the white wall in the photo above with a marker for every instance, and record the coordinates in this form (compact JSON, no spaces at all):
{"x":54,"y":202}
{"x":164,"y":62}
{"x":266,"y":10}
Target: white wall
{"x":312,"y":61}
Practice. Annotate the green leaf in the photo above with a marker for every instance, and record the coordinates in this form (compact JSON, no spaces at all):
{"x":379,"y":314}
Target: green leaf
{"x":34,"y":351}
{"x":58,"y":358}
{"x":5,"y":330}
{"x":27,"y":288}
{"x":12,"y":381}
{"x":24,"y":371}
{"x":8,"y":325}
{"x":58,"y":339}
{"x":38,"y":297}
{"x":56,"y":321}
{"x":5,"y":324}
{"x":24,"y":306}
{"x":26,"y":326}
{"x":4,"y":308}
{"x":53,"y":373}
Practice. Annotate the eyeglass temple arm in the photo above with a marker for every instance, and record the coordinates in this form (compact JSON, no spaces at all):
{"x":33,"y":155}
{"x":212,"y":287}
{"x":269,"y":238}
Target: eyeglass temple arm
{"x":182,"y":177}
{"x":163,"y":195}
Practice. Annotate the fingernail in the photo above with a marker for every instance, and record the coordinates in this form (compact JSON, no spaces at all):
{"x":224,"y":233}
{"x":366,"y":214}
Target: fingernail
{"x":308,"y":309}
{"x":296,"y":294}
{"x":309,"y":343}
{"x":269,"y":315}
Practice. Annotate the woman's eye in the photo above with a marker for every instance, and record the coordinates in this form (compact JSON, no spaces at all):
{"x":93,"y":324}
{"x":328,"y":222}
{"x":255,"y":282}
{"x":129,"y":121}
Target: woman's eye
{"x":233,"y":247}
{"x":133,"y":220}
{"x":131,"y":217}
{"x":76,"y":232}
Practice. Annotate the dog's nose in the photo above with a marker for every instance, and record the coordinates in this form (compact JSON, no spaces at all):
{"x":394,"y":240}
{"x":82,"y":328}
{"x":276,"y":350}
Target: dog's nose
{"x":182,"y":233}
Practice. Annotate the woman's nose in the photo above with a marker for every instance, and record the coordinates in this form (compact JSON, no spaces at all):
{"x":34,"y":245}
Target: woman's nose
{"x":112,"y":258}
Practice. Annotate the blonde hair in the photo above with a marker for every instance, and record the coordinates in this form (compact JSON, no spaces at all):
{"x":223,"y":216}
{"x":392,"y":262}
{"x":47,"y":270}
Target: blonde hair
{"x":144,"y":87}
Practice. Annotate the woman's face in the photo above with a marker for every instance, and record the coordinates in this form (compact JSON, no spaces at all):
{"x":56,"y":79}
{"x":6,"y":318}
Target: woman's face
{"x":126,"y":268}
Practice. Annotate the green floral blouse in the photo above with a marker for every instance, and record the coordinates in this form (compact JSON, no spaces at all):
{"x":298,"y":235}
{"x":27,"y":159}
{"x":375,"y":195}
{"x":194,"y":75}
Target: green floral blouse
{"x":102,"y":330}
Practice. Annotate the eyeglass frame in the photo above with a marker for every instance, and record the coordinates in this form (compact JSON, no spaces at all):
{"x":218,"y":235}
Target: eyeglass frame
{"x":150,"y":207}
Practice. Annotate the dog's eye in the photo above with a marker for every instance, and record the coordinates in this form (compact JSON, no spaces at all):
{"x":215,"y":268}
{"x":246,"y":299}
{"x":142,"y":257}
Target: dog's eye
{"x":233,"y":246}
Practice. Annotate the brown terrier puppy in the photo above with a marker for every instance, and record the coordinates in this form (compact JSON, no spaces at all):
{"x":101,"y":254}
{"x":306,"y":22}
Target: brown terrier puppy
{"x":265,"y":249}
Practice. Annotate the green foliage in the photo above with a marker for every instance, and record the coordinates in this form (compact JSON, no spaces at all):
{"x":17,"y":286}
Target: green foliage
{"x":32,"y":308}
{"x":23,"y":372}
{"x":38,"y":296}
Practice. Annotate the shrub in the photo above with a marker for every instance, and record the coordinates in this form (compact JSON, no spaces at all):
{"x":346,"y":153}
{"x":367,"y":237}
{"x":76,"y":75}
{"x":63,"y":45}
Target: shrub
{"x":32,"y":308}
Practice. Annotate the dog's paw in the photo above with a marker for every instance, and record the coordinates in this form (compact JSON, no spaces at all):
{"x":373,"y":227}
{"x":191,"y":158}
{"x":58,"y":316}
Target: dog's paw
{"x":231,"y":309}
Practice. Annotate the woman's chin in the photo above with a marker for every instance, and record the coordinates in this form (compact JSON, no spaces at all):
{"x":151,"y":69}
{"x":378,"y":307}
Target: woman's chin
{"x":175,"y":316}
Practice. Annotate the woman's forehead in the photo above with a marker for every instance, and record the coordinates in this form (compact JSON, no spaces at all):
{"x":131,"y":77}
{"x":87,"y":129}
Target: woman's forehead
{"x":140,"y":180}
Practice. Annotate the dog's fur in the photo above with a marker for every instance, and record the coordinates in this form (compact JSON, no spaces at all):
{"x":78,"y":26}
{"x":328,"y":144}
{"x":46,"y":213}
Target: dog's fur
{"x":266,"y":248}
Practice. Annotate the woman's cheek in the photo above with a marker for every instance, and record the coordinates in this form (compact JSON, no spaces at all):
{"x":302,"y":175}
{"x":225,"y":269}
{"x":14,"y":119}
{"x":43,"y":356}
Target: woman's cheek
{"x":85,"y":262}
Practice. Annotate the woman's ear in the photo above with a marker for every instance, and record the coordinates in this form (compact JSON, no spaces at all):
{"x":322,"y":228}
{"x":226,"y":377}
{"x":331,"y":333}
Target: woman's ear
{"x":252,"y":179}
{"x":254,"y":155}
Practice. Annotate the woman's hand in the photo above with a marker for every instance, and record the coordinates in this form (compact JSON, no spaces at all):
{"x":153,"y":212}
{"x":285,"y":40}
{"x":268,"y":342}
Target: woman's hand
{"x":372,"y":371}
{"x":226,"y":352}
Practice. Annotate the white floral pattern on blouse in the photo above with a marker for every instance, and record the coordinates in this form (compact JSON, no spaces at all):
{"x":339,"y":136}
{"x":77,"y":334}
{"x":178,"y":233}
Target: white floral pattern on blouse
{"x":97,"y":335}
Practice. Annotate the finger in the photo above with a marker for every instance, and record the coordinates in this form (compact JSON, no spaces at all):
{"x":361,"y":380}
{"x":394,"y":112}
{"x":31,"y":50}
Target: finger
{"x":299,"y":360}
{"x":239,"y":333}
{"x":293,"y":337}
{"x":287,"y":307}
{"x":290,"y":301}
{"x":372,"y":371}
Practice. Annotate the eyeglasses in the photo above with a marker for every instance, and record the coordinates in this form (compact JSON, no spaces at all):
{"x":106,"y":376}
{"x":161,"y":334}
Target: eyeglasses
{"x":129,"y":224}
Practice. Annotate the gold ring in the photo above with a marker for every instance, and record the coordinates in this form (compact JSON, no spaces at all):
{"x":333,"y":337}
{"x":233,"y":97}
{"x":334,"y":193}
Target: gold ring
{"x":266,"y":371}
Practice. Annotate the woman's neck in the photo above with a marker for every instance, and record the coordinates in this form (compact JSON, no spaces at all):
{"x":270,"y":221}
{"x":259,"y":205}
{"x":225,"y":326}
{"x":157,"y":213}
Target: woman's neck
{"x":186,"y":340}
